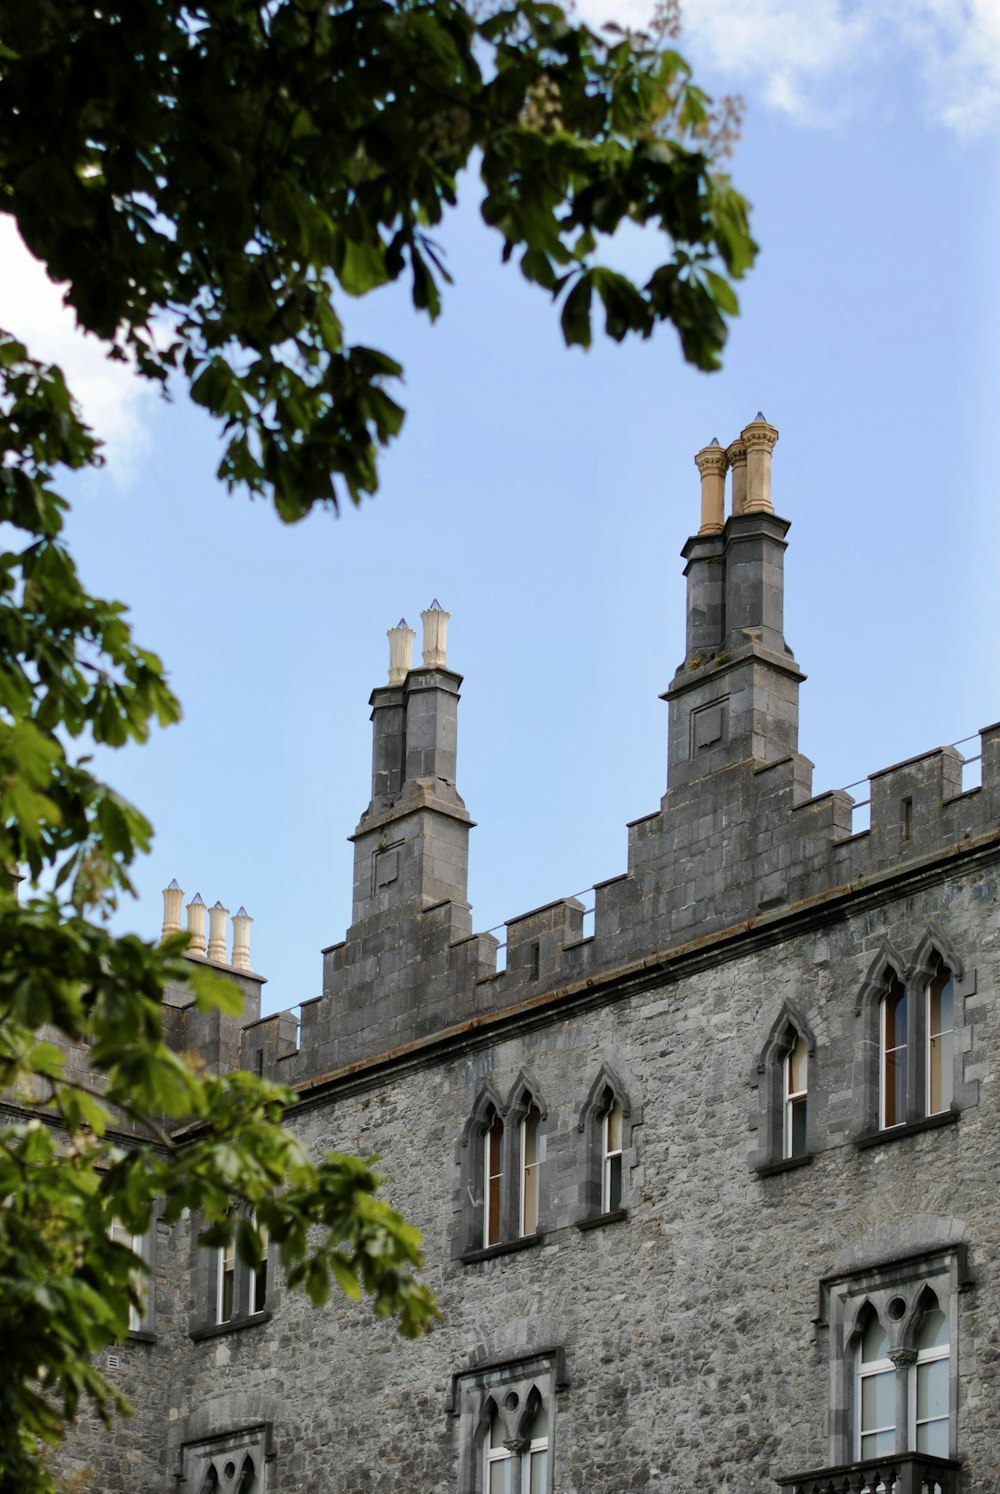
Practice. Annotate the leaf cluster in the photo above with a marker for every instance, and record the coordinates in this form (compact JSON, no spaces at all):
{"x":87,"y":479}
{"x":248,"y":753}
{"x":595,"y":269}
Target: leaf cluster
{"x":213,"y":182}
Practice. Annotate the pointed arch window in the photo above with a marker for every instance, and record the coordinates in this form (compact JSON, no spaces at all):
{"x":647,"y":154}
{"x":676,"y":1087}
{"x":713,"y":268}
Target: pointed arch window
{"x":876,"y":1394}
{"x":785,"y":1068}
{"x":893,"y":1053}
{"x":940,"y":1027}
{"x":508,"y":1414}
{"x":914,"y":1011}
{"x":607,"y":1123}
{"x":238,"y":1285}
{"x":233,"y":1463}
{"x":502,"y":1159}
{"x":893,"y":1331}
{"x":530,"y":1157}
{"x":930,"y":1399}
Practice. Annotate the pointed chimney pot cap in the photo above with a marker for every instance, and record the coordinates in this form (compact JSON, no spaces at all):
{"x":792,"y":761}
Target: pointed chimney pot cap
{"x":714,"y":441}
{"x":217,"y":904}
{"x":760,"y":416}
{"x":435,"y":606}
{"x":241,"y":912}
{"x":402,"y":623}
{"x":198,"y":901}
{"x":173,"y":885}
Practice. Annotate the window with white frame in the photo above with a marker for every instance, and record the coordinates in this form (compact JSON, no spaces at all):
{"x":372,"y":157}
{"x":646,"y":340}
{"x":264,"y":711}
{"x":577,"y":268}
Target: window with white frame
{"x":517,"y":1464}
{"x":893,"y":1331}
{"x":502,"y":1156}
{"x":507,"y":1414}
{"x":139,"y":1279}
{"x":528,"y":1213}
{"x":914,"y":1010}
{"x":611,"y":1157}
{"x":493,"y":1150}
{"x":784,"y":1066}
{"x":607,"y":1123}
{"x":940,"y":1028}
{"x":795,"y":1101}
{"x":902,"y":1401}
{"x":893,"y":1053}
{"x":239,"y":1289}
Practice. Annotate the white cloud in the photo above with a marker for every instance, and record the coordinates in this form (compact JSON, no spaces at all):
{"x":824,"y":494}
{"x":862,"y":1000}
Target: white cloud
{"x":115,"y":402}
{"x":811,"y":59}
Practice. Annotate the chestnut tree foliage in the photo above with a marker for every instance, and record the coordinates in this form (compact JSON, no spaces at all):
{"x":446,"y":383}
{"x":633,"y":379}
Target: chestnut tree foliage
{"x":212,"y":183}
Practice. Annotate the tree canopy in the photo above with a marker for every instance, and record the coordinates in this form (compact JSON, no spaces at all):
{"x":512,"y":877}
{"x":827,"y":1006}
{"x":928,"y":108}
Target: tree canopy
{"x":212,"y":184}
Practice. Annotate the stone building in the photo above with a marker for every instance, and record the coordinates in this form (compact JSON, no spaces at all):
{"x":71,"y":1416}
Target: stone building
{"x":710,"y":1193}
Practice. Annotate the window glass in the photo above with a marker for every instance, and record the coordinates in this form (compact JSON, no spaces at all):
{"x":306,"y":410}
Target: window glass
{"x":539,"y":1479}
{"x":227,"y":1283}
{"x":876,"y":1393}
{"x":260,"y":1277}
{"x":796,"y":1071}
{"x":529,"y":1172}
{"x":494,"y":1182}
{"x":893,"y":1076}
{"x":140,"y":1284}
{"x":940,"y":1040}
{"x":611,"y":1186}
{"x":932,"y":1381}
{"x":499,"y":1460}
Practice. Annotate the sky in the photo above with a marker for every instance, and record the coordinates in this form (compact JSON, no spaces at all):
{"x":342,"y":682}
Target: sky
{"x":543,"y":496}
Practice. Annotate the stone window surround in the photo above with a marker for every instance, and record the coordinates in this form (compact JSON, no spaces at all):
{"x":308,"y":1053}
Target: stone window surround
{"x":198,"y":1457}
{"x":534,"y":1377}
{"x":844,"y":1298}
{"x":591,"y":1127}
{"x":789,"y":1025}
{"x":524,"y":1095}
{"x":205,"y":1273}
{"x":915,"y":974}
{"x":144,"y":1246}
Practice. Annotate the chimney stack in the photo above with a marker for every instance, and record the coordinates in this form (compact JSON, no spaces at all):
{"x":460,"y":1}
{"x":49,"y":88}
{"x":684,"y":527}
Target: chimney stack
{"x":241,"y":939}
{"x":173,"y":896}
{"x":218,"y":917}
{"x":400,"y":651}
{"x":196,"y":924}
{"x":435,"y":621}
{"x":759,"y":438}
{"x":711,"y":463}
{"x":736,"y":455}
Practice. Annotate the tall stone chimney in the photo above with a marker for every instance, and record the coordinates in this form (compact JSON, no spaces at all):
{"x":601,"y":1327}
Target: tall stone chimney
{"x":411,"y":843}
{"x":735,"y":697}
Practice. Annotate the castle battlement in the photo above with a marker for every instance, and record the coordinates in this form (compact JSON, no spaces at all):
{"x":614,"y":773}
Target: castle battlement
{"x":738,"y":840}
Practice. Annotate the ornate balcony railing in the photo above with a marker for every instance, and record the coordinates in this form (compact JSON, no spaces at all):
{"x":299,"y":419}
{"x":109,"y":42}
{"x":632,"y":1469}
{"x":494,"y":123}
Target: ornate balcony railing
{"x":898,"y":1473}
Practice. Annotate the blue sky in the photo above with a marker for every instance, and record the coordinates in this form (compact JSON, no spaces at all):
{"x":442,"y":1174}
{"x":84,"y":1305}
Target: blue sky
{"x":543,"y":496}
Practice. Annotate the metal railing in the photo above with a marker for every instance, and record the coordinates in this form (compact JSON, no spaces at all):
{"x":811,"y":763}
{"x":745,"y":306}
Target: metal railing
{"x":896,"y":1473}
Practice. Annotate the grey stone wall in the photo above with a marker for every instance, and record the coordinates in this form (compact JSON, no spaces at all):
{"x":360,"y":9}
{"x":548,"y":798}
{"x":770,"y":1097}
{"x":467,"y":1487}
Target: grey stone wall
{"x":695,"y":1354}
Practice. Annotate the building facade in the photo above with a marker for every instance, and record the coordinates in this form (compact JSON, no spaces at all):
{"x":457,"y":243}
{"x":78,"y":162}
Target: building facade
{"x":710,"y":1195}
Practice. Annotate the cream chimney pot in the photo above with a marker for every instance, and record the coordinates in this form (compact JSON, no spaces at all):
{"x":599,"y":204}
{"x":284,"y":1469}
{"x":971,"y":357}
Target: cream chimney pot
{"x":759,"y":438}
{"x":435,"y":621}
{"x":218,"y":917}
{"x":241,"y":939}
{"x":711,"y":463}
{"x":173,"y":896}
{"x":196,"y":924}
{"x":400,"y":651}
{"x":736,"y":453}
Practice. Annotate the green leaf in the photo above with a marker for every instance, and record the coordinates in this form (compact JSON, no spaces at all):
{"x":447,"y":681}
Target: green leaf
{"x":575,"y":318}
